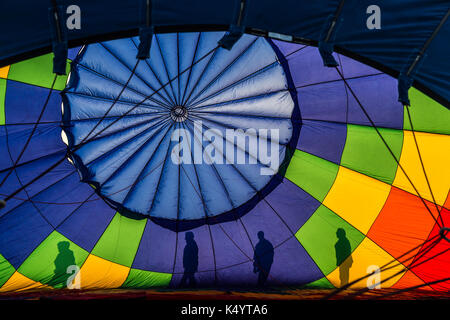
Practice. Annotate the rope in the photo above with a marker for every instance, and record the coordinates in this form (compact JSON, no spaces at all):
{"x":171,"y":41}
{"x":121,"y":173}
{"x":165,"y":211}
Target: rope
{"x":386,"y":144}
{"x":423,"y":166}
{"x":31,"y":134}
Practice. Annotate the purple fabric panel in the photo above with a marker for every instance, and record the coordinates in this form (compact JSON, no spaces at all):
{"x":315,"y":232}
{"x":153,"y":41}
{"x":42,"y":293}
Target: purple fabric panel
{"x":322,"y":95}
{"x":203,"y":279}
{"x":307,"y":68}
{"x":156,"y":250}
{"x":323,"y":139}
{"x":205,"y":273}
{"x":287,"y":48}
{"x":292,"y":265}
{"x":231,"y":244}
{"x":292,"y":204}
{"x":24,"y":103}
{"x":86,"y":225}
{"x":289,"y":254}
{"x":72,"y":53}
{"x":326,"y":102}
{"x":378,"y":95}
{"x":263,"y":218}
{"x":239,"y":275}
{"x":352,"y":68}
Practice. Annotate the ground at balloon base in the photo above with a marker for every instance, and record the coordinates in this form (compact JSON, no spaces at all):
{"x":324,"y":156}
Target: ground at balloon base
{"x":229,"y":294}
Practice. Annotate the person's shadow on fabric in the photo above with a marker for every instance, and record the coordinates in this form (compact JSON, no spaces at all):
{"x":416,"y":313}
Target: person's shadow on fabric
{"x":262,"y":258}
{"x":64,"y":259}
{"x":344,"y":258}
{"x":190,"y":261}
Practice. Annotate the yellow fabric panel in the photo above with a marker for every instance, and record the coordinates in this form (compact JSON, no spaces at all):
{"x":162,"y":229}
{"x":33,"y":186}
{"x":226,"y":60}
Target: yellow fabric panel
{"x":18,"y":282}
{"x":368,"y":254}
{"x":4,"y":72}
{"x":100,"y":273}
{"x":357,"y":198}
{"x":435,"y":151}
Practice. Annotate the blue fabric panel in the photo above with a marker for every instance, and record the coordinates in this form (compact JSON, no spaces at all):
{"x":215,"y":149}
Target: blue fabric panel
{"x":19,"y":112}
{"x":5,"y":161}
{"x":87,"y":223}
{"x":24,"y":174}
{"x":292,"y":16}
{"x":392,"y":46}
{"x":130,"y":149}
{"x":434,"y":68}
{"x":45,"y":140}
{"x":62,"y":199}
{"x":395,"y":45}
{"x":26,"y":224}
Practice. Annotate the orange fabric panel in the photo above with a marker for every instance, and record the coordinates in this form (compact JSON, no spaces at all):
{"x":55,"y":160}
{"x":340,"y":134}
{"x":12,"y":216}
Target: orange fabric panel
{"x":409,"y":280}
{"x":403,"y":223}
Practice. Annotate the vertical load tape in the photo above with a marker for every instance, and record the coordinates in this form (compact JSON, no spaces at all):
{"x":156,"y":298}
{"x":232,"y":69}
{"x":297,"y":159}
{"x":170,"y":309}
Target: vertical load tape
{"x":146,"y":30}
{"x":326,"y":40}
{"x":237,"y":28}
{"x":59,"y":38}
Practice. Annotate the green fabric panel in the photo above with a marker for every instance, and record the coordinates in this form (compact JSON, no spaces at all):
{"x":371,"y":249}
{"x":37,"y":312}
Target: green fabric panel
{"x":322,"y":283}
{"x":120,"y":240}
{"x":318,"y":237}
{"x":6,"y":270}
{"x":38,"y":71}
{"x":2,"y":101}
{"x":48,"y":263}
{"x":146,"y":279}
{"x":365,"y":152}
{"x":426,"y":114}
{"x":313,"y":174}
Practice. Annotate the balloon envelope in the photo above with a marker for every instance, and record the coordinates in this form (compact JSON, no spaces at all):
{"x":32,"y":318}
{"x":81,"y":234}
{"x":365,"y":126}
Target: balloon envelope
{"x":126,"y":215}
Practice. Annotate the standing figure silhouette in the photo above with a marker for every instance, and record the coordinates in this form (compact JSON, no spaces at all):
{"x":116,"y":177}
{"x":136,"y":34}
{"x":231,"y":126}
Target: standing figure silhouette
{"x":190,"y":261}
{"x":344,"y":258}
{"x":64,"y":259}
{"x":263,"y":258}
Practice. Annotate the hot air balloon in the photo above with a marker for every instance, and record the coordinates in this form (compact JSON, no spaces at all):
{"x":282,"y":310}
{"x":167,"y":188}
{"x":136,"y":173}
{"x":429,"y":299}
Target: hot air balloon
{"x":225,"y":158}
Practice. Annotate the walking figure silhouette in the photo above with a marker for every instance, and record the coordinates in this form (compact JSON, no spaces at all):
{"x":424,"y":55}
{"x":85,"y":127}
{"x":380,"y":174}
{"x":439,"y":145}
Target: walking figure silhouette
{"x":263,"y":258}
{"x":344,"y":258}
{"x":190,"y":261}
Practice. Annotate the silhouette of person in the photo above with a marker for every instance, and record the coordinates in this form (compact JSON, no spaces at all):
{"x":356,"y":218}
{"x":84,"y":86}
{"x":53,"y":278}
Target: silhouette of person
{"x":262,"y":258}
{"x":344,"y":258}
{"x":190,"y":261}
{"x":64,"y":259}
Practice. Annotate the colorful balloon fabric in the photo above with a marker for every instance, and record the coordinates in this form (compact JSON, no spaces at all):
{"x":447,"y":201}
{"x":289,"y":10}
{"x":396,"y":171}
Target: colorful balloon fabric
{"x":102,"y":203}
